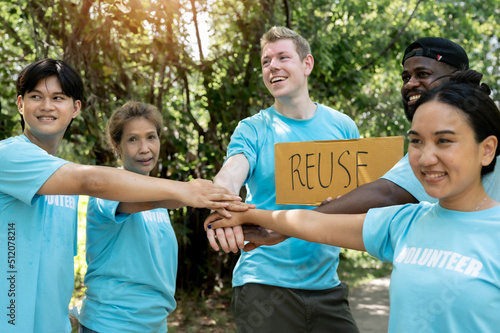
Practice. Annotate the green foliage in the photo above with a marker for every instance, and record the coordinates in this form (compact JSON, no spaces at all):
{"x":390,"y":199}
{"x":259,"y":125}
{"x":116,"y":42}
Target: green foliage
{"x":138,"y":49}
{"x":356,"y":268}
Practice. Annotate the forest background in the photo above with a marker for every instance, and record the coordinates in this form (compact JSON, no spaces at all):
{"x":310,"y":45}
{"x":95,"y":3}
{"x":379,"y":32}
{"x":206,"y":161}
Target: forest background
{"x":198,"y":61}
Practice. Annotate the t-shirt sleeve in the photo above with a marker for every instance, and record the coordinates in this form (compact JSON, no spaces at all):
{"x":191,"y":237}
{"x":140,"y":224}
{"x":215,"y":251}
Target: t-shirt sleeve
{"x":402,"y":175}
{"x":245,"y":141}
{"x":105,"y":211}
{"x":353,"y":131}
{"x":383,"y":227}
{"x":24,"y":169}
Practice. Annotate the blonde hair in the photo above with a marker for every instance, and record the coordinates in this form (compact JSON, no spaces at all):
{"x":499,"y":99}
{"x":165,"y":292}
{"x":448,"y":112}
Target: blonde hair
{"x":278,"y":33}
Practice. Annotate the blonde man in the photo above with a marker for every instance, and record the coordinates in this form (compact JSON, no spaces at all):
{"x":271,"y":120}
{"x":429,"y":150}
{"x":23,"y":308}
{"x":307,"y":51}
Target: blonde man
{"x":293,"y":286}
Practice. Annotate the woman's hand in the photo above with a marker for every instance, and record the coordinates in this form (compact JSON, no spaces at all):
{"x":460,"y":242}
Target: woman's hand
{"x":203,"y":193}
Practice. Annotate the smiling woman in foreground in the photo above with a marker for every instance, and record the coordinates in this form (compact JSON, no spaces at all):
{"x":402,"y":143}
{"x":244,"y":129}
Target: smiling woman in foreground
{"x":446,"y":275}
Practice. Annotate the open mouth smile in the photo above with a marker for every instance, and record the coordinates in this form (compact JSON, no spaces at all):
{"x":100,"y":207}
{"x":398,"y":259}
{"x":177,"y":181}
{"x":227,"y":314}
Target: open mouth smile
{"x":433,"y":176}
{"x":277,"y":79}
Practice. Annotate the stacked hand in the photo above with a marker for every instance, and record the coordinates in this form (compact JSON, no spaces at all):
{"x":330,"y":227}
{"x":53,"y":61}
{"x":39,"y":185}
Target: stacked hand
{"x":205,"y":194}
{"x":231,"y":232}
{"x":233,"y":238}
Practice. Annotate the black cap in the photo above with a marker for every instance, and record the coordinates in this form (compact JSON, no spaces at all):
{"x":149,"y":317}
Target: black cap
{"x":440,"y":49}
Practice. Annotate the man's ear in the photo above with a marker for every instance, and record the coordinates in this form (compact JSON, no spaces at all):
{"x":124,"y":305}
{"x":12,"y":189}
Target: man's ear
{"x":309,"y":63}
{"x":77,"y":105}
{"x":20,"y":104}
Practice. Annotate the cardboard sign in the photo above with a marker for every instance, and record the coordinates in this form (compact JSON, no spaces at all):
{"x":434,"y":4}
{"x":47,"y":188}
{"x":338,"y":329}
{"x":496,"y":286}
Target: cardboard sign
{"x":309,"y":172}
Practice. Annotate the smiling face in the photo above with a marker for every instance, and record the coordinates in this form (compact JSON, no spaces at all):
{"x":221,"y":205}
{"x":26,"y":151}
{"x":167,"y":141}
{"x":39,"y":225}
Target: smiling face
{"x":283,"y":72}
{"x":139,"y":146}
{"x":419,"y":75}
{"x":47,"y":112}
{"x":445,"y":156}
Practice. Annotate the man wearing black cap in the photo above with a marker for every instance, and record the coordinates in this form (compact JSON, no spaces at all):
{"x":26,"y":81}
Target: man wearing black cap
{"x":427,"y":63}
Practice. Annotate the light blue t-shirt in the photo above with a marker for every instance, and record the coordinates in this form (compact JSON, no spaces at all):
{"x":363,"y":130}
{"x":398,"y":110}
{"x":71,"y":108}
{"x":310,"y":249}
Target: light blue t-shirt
{"x":132,"y":268}
{"x":37,"y":242}
{"x":446,"y":272}
{"x":402,"y":175}
{"x":293,"y":263}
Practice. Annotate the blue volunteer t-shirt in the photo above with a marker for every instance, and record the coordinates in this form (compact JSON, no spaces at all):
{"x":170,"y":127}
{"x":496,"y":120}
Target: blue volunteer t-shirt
{"x":132,"y":268}
{"x":37,"y":242}
{"x":402,"y":175}
{"x":446,"y":272}
{"x":293,"y":263}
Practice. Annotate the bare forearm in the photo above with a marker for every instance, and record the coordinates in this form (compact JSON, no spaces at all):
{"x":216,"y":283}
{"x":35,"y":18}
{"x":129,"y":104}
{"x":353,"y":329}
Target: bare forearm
{"x":338,"y":230}
{"x":233,"y":173}
{"x":135,"y":207}
{"x":380,"y":193}
{"x":110,"y":183}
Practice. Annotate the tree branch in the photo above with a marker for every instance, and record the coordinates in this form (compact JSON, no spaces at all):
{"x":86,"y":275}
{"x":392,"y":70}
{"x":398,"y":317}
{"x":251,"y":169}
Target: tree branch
{"x":13,"y":34}
{"x":394,"y":40}
{"x":288,"y":14}
{"x":33,"y":26}
{"x":195,"y":21}
{"x":49,"y":29}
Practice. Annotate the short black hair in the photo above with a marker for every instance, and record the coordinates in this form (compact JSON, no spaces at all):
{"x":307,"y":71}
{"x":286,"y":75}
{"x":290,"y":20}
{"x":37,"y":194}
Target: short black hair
{"x":70,"y":80}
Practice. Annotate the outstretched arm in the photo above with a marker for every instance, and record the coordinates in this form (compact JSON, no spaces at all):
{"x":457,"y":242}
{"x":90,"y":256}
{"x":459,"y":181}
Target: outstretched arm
{"x":338,"y":230}
{"x":124,"y":186}
{"x":380,"y":193}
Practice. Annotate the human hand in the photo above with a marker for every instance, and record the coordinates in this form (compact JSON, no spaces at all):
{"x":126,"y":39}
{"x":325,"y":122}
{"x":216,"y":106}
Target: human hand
{"x":231,"y":239}
{"x":203,"y":193}
{"x":256,"y":236}
{"x":235,"y":206}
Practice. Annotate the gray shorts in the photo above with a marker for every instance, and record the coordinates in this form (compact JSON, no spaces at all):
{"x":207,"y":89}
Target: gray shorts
{"x":260,"y":308}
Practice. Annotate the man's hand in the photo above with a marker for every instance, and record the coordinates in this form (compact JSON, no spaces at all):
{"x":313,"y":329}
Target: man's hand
{"x":257,"y":236}
{"x":230,"y":239}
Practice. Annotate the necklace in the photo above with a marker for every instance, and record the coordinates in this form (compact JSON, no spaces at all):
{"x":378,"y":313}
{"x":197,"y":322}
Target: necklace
{"x":480,"y":204}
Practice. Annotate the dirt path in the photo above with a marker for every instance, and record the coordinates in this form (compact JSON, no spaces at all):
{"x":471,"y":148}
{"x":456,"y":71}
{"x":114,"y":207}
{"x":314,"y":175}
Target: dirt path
{"x":370,"y":305}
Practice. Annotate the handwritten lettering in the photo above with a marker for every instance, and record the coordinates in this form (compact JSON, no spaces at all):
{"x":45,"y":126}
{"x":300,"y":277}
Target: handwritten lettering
{"x":309,"y":172}
{"x":359,"y":165}
{"x":303,"y":176}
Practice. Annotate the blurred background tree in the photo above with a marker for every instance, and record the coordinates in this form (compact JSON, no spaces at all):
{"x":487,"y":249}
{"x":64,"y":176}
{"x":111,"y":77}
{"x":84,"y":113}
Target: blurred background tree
{"x":198,"y":61}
